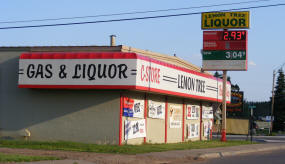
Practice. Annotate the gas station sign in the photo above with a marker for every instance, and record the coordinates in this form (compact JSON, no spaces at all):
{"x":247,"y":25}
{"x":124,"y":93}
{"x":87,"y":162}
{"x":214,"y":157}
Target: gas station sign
{"x":225,"y":50}
{"x":225,"y":20}
{"x":225,"y":40}
{"x":224,"y":55}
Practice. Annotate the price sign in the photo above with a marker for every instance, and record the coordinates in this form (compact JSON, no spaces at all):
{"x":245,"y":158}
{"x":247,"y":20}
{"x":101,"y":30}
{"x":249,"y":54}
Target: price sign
{"x":225,"y":60}
{"x":224,"y":55}
{"x":225,"y":40}
{"x":225,"y":50}
{"x":234,"y":35}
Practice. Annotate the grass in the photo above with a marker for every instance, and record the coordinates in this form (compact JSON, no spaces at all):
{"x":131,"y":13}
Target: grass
{"x":124,"y":149}
{"x":22,"y":158}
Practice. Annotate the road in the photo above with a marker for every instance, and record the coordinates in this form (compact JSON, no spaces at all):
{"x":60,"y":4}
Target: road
{"x":275,"y":157}
{"x":254,"y":138}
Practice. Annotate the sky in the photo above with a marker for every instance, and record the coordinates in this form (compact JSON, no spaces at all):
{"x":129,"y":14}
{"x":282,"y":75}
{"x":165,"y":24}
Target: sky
{"x":173,"y":35}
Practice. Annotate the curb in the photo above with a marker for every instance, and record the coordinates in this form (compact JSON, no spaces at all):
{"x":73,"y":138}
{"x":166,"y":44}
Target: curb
{"x":239,"y":152}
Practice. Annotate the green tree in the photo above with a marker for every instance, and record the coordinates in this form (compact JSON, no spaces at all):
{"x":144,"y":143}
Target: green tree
{"x":279,"y":102}
{"x":217,"y":75}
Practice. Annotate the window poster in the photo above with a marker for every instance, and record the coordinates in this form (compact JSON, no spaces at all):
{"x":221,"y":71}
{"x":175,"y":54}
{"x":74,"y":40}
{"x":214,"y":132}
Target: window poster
{"x":207,"y":128}
{"x":192,"y":112}
{"x":156,"y":109}
{"x":192,"y":130}
{"x":135,"y":129}
{"x":133,"y":107}
{"x":207,"y":112}
{"x":175,"y":116}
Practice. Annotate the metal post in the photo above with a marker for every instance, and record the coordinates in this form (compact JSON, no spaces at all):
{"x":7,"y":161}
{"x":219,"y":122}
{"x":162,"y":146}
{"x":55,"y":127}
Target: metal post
{"x":251,"y":123}
{"x":272,"y":104}
{"x":224,"y":107}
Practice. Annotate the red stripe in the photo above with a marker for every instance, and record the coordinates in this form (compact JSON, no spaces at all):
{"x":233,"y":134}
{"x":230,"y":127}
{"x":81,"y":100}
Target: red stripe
{"x":120,"y":120}
{"x":132,"y":87}
{"x":145,"y":116}
{"x":79,"y":55}
{"x":166,"y":111}
{"x":183,"y":120}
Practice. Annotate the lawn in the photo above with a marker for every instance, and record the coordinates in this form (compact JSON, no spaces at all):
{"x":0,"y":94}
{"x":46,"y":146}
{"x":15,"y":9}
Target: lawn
{"x":22,"y":158}
{"x":124,"y":149}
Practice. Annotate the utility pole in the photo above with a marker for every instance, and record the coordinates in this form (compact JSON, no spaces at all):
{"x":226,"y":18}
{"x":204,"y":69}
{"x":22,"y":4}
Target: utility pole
{"x":224,"y":113}
{"x":272,"y":103}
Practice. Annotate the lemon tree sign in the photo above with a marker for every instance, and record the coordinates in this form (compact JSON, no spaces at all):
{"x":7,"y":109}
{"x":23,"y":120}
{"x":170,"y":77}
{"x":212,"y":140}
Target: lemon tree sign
{"x":225,"y":20}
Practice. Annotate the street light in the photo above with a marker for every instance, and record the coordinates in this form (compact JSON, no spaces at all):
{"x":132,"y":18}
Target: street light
{"x":272,"y":104}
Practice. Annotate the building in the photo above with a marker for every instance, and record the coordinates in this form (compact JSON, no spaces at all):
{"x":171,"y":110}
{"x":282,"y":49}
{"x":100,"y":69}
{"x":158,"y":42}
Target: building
{"x":104,"y":95}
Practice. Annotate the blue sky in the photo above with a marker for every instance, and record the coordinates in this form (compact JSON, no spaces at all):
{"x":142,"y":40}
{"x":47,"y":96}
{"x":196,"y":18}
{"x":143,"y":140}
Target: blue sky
{"x":179,"y":35}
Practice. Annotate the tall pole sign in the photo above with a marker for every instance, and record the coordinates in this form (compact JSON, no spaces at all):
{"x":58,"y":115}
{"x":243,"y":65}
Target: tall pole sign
{"x":225,"y":50}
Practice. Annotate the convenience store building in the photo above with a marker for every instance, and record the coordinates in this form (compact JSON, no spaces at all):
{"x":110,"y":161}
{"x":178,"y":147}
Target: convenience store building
{"x":104,"y":95}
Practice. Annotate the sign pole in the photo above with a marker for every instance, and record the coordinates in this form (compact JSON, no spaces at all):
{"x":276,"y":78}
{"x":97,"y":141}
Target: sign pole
{"x":272,"y":104}
{"x":223,"y":139}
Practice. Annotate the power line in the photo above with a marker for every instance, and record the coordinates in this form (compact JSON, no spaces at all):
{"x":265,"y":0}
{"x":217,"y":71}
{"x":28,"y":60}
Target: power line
{"x":136,"y":18}
{"x":130,"y":13}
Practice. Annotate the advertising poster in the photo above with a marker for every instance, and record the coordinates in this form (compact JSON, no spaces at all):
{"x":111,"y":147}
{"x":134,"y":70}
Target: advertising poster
{"x":175,"y":116}
{"x":192,"y":130}
{"x":192,"y":112}
{"x":133,"y":107}
{"x":207,"y":128}
{"x":156,"y":109}
{"x":134,"y":129}
{"x":207,"y":112}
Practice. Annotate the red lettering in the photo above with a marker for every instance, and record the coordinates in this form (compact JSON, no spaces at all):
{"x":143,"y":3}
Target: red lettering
{"x":147,"y":76}
{"x":150,"y":74}
{"x":158,"y":76}
{"x":142,"y":75}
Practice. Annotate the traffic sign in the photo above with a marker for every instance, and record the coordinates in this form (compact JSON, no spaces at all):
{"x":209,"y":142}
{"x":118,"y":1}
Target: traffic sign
{"x":225,"y":20}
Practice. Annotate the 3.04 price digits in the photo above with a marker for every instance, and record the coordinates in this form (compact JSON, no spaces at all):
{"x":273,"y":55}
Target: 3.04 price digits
{"x":235,"y":54}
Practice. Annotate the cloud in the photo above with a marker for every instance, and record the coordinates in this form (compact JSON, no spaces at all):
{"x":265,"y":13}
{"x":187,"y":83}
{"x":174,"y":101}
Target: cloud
{"x":251,"y":63}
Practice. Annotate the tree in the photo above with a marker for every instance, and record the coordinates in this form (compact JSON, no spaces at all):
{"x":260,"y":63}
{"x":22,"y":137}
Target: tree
{"x":279,"y":102}
{"x":217,"y":75}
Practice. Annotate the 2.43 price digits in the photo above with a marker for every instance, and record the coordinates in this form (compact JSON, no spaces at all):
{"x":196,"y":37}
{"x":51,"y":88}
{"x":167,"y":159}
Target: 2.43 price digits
{"x":238,"y":55}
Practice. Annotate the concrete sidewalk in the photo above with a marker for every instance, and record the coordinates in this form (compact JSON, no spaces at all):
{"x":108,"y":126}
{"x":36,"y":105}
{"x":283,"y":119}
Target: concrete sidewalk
{"x":177,"y":156}
{"x":217,"y":152}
